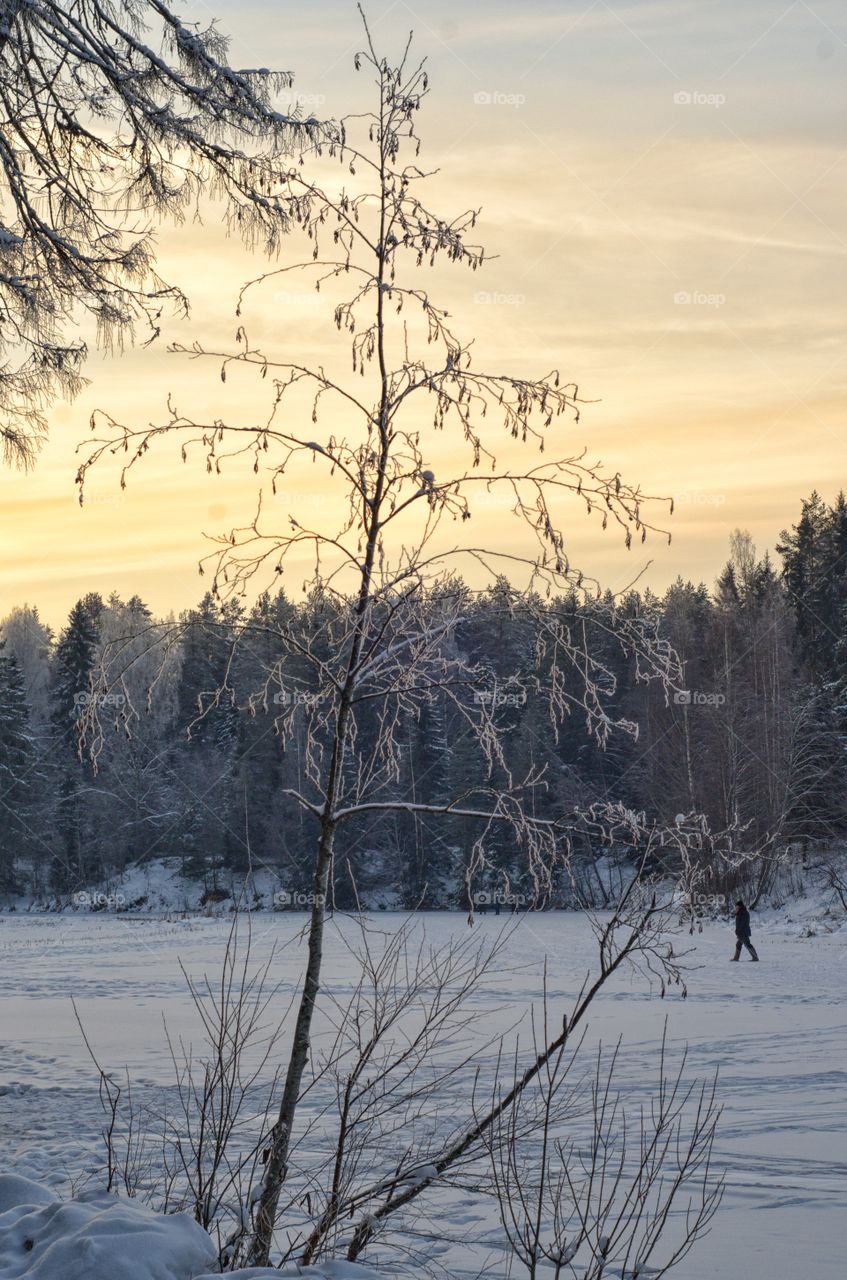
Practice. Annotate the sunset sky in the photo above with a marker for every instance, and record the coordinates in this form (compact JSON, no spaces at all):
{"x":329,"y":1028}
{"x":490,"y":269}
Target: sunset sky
{"x":665,"y":185}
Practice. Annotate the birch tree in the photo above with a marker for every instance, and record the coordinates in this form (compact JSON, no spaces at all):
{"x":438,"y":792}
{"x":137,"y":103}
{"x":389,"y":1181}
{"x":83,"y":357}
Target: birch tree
{"x":113,"y":115}
{"x":383,"y":608}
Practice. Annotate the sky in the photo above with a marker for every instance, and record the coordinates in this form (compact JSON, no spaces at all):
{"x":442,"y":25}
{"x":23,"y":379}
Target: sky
{"x":662,"y":189}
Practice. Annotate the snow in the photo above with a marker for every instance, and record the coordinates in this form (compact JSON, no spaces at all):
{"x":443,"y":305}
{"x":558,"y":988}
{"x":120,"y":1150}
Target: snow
{"x":100,"y":1237}
{"x":158,"y":886}
{"x":95,"y":1237}
{"x":776,"y":1031}
{"x":16,"y":1192}
{"x":331,"y":1269}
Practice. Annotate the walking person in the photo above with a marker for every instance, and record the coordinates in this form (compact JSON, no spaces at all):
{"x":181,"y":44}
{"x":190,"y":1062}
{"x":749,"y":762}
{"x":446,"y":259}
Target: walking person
{"x":742,"y":932}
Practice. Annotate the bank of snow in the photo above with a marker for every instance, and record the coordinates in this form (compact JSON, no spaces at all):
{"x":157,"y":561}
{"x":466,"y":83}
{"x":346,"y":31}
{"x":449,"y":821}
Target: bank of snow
{"x":100,"y":1237}
{"x":802,"y":899}
{"x":162,"y":886}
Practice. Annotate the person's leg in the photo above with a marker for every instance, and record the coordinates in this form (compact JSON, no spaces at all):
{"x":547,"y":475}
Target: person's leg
{"x":748,"y":944}
{"x":737,"y":955}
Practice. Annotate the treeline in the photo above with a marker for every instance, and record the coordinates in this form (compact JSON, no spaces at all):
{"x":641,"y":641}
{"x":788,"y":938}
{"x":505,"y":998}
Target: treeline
{"x":190,"y":763}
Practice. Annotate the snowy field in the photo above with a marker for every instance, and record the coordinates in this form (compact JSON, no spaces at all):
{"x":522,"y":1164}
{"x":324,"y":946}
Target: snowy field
{"x":777,"y":1031}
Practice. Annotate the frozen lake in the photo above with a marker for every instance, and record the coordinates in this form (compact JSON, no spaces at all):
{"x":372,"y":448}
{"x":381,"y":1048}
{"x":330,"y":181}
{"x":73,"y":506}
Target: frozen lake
{"x":776,"y":1031}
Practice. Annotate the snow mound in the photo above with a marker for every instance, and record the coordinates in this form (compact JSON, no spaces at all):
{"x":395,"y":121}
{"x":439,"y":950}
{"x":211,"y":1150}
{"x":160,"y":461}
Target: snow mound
{"x":99,"y":1237}
{"x":96,"y":1237}
{"x":331,"y":1269}
{"x":16,"y":1191}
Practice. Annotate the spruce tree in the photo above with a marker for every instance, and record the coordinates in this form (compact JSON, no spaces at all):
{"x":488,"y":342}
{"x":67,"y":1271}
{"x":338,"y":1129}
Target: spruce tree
{"x":20,"y":776}
{"x":74,"y":662}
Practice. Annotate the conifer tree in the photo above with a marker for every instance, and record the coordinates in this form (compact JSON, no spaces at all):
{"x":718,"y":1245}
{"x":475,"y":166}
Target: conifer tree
{"x":76,"y":654}
{"x":20,"y":776}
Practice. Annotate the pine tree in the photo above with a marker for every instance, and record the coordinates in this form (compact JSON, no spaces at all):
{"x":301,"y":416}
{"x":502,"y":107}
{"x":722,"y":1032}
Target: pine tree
{"x":20,"y":776}
{"x":209,"y":728}
{"x":806,"y":551}
{"x":74,"y":662}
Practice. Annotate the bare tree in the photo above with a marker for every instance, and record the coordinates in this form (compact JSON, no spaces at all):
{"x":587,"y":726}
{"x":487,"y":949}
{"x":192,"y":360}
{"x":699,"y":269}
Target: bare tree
{"x":746,"y":748}
{"x":115,"y":113}
{"x":835,"y":878}
{"x":384,"y":603}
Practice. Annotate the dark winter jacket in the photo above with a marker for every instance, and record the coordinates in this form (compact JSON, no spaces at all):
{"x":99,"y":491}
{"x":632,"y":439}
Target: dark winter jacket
{"x":742,"y":924}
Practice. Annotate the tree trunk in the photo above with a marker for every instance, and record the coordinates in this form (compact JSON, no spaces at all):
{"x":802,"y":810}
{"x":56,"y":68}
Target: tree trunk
{"x":277,"y":1162}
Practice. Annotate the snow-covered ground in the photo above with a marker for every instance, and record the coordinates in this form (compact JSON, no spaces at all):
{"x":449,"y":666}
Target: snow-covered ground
{"x":97,"y":1236}
{"x":777,"y":1031}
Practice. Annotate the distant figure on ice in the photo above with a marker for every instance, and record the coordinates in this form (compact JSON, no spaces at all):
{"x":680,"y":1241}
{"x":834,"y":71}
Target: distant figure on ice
{"x":742,"y":931}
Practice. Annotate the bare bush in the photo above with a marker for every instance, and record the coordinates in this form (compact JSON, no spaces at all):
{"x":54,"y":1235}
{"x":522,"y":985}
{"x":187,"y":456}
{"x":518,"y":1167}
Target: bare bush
{"x":628,"y":1195}
{"x":409,"y":1096}
{"x":198,"y":1146}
